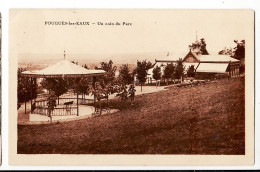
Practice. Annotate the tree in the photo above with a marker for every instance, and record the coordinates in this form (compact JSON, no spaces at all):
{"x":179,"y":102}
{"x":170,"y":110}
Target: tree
{"x":109,"y":89}
{"x":85,"y":66}
{"x":239,"y":51}
{"x":203,"y":47}
{"x":149,"y":65}
{"x":131,"y":92}
{"x":125,"y":75}
{"x":51,"y":103}
{"x":191,"y":71}
{"x":157,"y":74}
{"x":26,"y":88}
{"x":98,"y":93}
{"x":22,"y":89}
{"x":141,"y":71}
{"x":74,"y":62}
{"x":179,"y":69}
{"x":110,"y":71}
{"x":199,"y":47}
{"x":83,"y":86}
{"x":168,"y":71}
{"x":239,"y":54}
{"x":105,"y":86}
{"x":122,"y":92}
{"x":58,"y":85}
{"x":226,"y":51}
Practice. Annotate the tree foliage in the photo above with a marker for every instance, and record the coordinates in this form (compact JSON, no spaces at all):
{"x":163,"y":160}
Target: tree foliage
{"x":85,"y":66}
{"x":226,"y":51}
{"x":191,"y":71}
{"x":169,"y":71}
{"x":25,"y":87}
{"x":141,"y":71}
{"x":99,"y":93}
{"x":83,"y":85}
{"x":110,"y":71}
{"x":75,"y":62}
{"x":199,"y":47}
{"x":239,"y":50}
{"x":58,"y":85}
{"x":125,"y":75}
{"x":179,"y":69}
{"x":122,"y":92}
{"x":51,"y":102}
{"x":131,"y":92}
{"x":157,"y":74}
{"x":149,"y":65}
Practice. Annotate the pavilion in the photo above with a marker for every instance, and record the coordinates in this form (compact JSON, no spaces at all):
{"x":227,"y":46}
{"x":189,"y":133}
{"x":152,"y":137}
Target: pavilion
{"x":61,"y":69}
{"x":203,"y":62}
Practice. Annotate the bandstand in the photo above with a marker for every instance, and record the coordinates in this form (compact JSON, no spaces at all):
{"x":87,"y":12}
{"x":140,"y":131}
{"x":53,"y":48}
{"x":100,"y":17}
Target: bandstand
{"x":61,"y":69}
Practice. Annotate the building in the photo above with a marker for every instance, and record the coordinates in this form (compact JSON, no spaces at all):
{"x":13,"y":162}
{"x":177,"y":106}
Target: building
{"x":202,"y":60}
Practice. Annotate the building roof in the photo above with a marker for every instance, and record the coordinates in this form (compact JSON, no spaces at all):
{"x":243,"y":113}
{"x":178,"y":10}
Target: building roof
{"x":175,"y":57}
{"x":62,"y":68}
{"x":212,"y":67}
{"x":214,"y":58}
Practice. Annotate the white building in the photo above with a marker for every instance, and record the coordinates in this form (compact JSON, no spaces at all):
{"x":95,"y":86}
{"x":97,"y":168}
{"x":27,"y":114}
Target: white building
{"x":203,"y":63}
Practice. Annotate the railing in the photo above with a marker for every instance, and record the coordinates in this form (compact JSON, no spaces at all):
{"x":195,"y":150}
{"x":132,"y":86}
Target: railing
{"x":42,"y":103}
{"x":58,"y":111}
{"x":81,"y":101}
{"x":41,"y":106}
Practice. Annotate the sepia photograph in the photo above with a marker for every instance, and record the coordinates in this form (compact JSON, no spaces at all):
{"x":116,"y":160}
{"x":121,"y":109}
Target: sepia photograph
{"x":132,"y":82}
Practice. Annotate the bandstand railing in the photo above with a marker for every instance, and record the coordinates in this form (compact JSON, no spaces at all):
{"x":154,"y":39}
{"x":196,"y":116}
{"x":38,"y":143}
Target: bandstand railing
{"x":58,"y":111}
{"x":41,"y":106}
{"x":63,"y":100}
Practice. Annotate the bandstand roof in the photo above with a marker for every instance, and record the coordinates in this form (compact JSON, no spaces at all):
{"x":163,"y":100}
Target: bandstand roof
{"x":63,"y":68}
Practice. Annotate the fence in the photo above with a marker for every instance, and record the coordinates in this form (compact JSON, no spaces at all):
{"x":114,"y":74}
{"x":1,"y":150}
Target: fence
{"x":41,"y":106}
{"x":58,"y":111}
{"x":81,"y":101}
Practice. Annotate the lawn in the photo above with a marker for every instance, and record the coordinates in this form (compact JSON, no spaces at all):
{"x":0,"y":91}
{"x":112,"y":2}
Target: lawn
{"x":205,"y":119}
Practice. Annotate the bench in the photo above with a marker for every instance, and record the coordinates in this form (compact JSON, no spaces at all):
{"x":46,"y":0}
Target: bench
{"x":68,"y":106}
{"x":68,"y":103}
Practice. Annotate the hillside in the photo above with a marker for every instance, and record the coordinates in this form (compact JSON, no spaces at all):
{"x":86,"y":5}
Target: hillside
{"x":205,"y":119}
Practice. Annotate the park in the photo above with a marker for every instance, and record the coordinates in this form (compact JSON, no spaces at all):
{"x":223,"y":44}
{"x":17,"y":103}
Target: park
{"x":191,"y":120}
{"x":188,"y":112}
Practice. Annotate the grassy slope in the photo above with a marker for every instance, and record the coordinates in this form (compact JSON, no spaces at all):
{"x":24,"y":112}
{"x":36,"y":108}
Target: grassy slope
{"x":206,"y":119}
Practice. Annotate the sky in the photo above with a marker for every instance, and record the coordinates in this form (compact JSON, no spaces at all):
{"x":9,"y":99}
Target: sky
{"x":152,"y":32}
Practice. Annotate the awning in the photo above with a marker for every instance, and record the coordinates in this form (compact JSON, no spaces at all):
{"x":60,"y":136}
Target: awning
{"x":212,"y":67}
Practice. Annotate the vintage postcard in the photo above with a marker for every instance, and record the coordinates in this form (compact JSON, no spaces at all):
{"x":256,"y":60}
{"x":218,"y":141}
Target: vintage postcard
{"x":131,"y":87}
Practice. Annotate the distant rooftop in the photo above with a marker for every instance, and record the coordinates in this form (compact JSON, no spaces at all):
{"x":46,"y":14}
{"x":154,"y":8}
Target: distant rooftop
{"x":201,"y":58}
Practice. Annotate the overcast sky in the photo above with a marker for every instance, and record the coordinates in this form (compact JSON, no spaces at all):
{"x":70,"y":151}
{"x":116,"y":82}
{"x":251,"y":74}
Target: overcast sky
{"x":152,"y":31}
